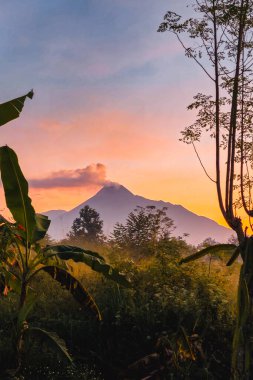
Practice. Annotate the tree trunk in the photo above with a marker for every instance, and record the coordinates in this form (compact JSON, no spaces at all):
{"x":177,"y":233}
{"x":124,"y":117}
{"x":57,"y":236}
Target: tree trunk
{"x":242,"y":359}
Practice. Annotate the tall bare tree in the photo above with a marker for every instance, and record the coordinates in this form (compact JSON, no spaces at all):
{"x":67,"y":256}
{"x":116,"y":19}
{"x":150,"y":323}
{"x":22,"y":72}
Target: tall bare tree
{"x":220,"y":40}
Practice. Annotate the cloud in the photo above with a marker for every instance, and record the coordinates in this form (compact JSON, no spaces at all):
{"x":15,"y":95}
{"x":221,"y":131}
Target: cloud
{"x":94,"y":174}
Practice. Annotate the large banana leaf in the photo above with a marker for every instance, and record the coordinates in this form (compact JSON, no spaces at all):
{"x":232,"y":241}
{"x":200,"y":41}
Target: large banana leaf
{"x":68,"y":252}
{"x":16,"y":192}
{"x":80,"y":294}
{"x":212,"y":250}
{"x":51,"y":339}
{"x":90,"y":258}
{"x":11,"y":109}
{"x":42,"y":225}
{"x":234,"y":256}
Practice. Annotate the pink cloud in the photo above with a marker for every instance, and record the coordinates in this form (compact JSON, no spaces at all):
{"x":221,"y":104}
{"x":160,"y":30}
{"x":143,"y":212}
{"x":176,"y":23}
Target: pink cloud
{"x":94,"y":174}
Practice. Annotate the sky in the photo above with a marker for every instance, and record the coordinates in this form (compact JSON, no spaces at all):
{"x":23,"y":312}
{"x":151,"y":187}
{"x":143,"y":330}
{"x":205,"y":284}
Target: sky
{"x":110,"y":101}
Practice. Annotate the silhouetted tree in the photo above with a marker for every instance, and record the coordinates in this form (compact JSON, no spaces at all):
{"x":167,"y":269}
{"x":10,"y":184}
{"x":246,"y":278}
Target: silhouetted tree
{"x":47,"y":240}
{"x":220,"y":41}
{"x":206,"y":243}
{"x":145,"y":227}
{"x":88,"y":227}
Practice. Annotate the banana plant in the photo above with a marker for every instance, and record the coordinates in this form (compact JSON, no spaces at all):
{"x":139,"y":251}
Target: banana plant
{"x":214,"y":250}
{"x":11,"y":110}
{"x":22,"y":256}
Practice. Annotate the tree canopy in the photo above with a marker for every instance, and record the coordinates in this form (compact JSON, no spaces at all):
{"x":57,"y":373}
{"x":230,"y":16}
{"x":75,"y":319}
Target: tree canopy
{"x":144,"y":228}
{"x":88,"y":227}
{"x":219,"y":40}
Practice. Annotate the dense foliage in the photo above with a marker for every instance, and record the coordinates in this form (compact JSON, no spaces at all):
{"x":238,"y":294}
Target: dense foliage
{"x":88,"y":227}
{"x":179,"y":318}
{"x":145,"y":229}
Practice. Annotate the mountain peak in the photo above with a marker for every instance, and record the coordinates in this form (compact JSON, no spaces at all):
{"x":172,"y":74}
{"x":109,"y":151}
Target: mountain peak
{"x":114,"y":202}
{"x":114,"y":188}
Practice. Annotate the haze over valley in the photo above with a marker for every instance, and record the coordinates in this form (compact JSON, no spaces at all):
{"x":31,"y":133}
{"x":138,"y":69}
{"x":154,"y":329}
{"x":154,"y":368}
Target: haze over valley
{"x":114,"y":202}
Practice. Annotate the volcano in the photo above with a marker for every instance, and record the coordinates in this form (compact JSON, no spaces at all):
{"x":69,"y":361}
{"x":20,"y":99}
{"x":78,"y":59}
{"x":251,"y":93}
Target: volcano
{"x":114,"y":202}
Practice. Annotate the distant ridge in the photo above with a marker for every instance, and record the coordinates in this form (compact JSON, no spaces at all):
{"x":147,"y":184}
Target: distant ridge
{"x":114,"y":202}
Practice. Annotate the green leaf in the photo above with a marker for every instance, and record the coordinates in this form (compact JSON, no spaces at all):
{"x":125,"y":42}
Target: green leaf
{"x":12,"y":280}
{"x":12,"y":109}
{"x":234,"y":256}
{"x":69,"y":251}
{"x":212,"y":250}
{"x":6,"y":239}
{"x":42,"y":225}
{"x":51,"y":339}
{"x":90,"y":258}
{"x":16,"y":192}
{"x":69,"y":282}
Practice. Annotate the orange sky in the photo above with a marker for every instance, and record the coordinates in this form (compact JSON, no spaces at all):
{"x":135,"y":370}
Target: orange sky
{"x":114,"y":95}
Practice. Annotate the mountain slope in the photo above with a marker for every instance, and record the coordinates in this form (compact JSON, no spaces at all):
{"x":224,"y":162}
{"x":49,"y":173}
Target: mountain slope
{"x":115,"y":202}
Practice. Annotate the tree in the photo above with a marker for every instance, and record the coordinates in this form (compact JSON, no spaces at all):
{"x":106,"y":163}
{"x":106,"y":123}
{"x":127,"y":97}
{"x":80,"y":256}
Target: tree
{"x":145,"y":227}
{"x":88,"y":227}
{"x":223,"y":48}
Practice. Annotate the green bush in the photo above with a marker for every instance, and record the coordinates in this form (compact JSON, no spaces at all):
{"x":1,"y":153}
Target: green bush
{"x":164,"y":298}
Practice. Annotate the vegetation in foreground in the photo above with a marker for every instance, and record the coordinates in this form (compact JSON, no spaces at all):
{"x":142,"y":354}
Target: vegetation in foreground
{"x":175,"y":322}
